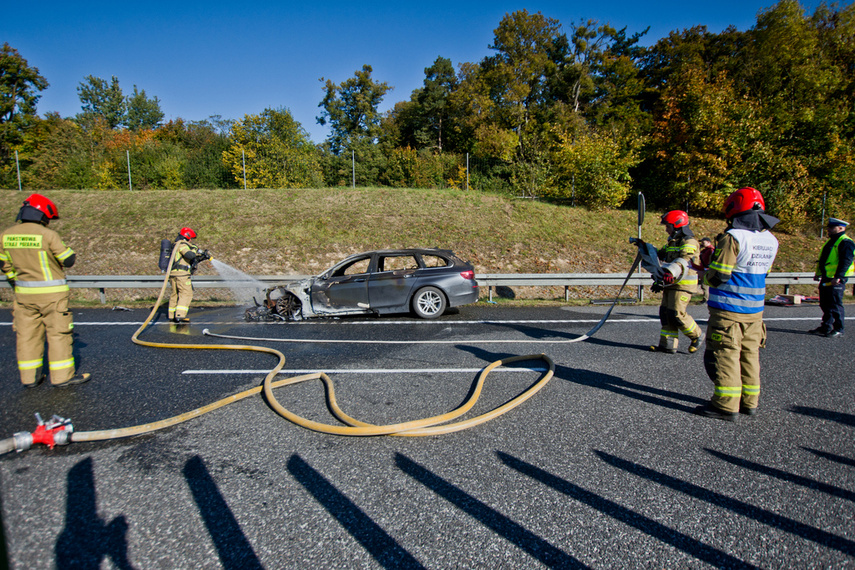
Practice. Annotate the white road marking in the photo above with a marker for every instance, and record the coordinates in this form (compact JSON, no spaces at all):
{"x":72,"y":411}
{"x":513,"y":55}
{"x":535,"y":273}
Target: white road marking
{"x":440,"y":322}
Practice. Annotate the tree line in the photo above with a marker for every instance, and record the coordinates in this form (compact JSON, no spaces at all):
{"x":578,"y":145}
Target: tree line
{"x":580,"y":114}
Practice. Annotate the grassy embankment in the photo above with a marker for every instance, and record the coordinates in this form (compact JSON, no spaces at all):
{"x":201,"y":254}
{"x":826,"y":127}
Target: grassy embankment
{"x":279,"y":232}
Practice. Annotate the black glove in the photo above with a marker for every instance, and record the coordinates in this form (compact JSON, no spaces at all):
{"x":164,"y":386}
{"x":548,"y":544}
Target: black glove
{"x":657,"y":287}
{"x":203,"y":255}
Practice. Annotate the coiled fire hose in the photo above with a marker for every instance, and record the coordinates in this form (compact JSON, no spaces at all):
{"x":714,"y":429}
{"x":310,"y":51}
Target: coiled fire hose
{"x":59,"y":431}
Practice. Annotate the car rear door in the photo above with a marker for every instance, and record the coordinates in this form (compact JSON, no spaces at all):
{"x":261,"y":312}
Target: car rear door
{"x":391,"y":283}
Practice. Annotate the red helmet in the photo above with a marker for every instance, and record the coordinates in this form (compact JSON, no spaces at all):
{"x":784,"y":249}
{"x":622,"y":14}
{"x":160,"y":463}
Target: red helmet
{"x":677,"y":218}
{"x":187,"y":233}
{"x":743,"y":200}
{"x":43,"y":205}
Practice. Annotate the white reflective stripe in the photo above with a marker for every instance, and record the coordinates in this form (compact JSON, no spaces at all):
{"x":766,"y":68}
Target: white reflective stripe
{"x":742,"y":290}
{"x":62,"y":364}
{"x":735,"y":302}
{"x":53,"y":283}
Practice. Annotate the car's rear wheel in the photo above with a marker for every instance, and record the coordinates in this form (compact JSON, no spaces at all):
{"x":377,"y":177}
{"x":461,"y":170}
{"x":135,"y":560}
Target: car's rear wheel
{"x":428,"y":303}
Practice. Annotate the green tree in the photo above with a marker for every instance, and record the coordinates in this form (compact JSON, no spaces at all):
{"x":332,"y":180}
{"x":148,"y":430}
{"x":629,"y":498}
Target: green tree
{"x":518,"y":72}
{"x":143,"y":113}
{"x":102,"y":99}
{"x":439,"y":82}
{"x":19,"y":88}
{"x":277,"y":152}
{"x":204,"y":143}
{"x":351,"y":110}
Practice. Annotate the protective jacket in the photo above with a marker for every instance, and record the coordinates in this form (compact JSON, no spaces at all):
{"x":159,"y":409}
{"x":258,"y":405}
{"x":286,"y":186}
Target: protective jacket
{"x":34,"y":257}
{"x":683,"y":245}
{"x":837,"y":260}
{"x":185,"y":258}
{"x":737,"y":274}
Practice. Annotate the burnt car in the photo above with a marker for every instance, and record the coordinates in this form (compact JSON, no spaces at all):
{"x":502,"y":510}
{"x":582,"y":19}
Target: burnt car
{"x":424,"y":281}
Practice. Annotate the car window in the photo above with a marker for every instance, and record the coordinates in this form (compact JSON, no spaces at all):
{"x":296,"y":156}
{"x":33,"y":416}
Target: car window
{"x":435,"y":261}
{"x":358,"y":267}
{"x":397,"y":263}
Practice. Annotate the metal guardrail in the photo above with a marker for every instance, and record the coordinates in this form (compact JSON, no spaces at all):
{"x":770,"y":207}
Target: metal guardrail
{"x":489,"y":280}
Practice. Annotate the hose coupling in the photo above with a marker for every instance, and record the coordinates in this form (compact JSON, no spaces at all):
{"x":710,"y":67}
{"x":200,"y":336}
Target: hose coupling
{"x":56,"y":431}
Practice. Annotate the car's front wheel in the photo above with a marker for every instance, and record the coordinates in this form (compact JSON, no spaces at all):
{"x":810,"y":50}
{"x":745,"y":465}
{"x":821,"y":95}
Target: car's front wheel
{"x":428,"y":303}
{"x":289,"y":307}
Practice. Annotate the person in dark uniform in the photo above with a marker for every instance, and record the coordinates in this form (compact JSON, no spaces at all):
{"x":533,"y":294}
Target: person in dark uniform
{"x":835,"y":266}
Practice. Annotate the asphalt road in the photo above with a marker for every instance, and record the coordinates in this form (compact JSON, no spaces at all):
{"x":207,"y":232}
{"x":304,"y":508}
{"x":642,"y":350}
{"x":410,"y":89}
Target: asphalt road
{"x":605,"y":467}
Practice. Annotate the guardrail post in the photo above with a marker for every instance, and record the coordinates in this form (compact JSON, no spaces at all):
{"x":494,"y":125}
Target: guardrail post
{"x":103,"y":296}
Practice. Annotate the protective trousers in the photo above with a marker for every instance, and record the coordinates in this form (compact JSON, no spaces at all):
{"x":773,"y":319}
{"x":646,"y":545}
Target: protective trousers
{"x":831,"y":303}
{"x":732,"y":361}
{"x":41,"y":317}
{"x":674,"y":319}
{"x":182,"y":295}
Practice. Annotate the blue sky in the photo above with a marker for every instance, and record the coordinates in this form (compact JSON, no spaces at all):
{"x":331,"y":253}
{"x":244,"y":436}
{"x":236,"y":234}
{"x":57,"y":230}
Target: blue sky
{"x":235,"y":58}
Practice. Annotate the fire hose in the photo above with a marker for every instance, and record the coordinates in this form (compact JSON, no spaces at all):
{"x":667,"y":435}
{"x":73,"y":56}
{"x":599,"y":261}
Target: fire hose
{"x":60,"y":431}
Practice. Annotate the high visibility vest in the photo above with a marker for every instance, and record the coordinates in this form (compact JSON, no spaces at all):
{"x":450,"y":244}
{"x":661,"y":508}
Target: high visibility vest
{"x":745,"y":291}
{"x":830,"y":268}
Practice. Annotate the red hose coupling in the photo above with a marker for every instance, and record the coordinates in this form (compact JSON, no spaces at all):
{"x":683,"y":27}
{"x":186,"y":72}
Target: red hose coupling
{"x":57,"y":431}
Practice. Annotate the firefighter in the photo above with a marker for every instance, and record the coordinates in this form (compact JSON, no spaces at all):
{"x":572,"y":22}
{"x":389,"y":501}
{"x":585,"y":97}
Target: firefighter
{"x":834,"y":268}
{"x":187,"y":258}
{"x":743,"y":256}
{"x":34,"y":259}
{"x":680,"y":282}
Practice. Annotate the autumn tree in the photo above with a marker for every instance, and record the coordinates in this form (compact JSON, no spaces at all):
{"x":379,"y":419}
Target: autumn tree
{"x":276,"y":150}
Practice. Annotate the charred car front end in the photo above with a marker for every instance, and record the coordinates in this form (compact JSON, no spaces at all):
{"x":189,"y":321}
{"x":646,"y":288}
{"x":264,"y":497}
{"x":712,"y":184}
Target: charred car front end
{"x":424,"y":281}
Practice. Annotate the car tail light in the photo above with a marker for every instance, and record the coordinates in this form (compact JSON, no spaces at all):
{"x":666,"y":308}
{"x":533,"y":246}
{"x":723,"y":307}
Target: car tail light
{"x":468,"y":274}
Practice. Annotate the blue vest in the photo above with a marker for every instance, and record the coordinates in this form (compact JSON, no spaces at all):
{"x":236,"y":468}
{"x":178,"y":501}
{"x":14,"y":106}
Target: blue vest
{"x":745,"y":292}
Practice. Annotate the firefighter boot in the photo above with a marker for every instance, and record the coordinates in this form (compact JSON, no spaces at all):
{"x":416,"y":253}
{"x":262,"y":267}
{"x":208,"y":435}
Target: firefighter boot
{"x":76,"y":379}
{"x":696,"y":344}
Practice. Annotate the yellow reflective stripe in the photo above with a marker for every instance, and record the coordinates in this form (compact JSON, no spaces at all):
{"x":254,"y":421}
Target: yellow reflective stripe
{"x":182,"y":308}
{"x":5,"y":257}
{"x":691,"y":328}
{"x":29,"y":364}
{"x":750,"y":389}
{"x":729,"y":391}
{"x":65,"y":254}
{"x":62,"y":364}
{"x":40,"y":290}
{"x":11,"y":274}
{"x":669,"y":334}
{"x":43,"y":261}
{"x":721,"y":267}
